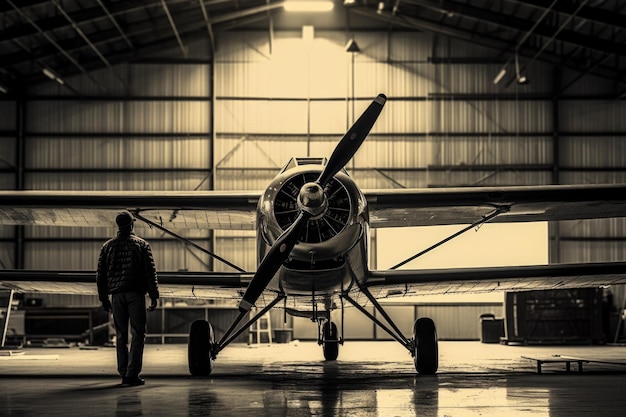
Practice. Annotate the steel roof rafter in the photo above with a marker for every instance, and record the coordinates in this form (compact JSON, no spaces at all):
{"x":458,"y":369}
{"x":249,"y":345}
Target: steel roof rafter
{"x":183,"y":48}
{"x":594,"y":14}
{"x":188,"y":19}
{"x":53,"y":42}
{"x":205,"y":16}
{"x":513,"y":23}
{"x":87,"y":41}
{"x":423,"y":24}
{"x":114,"y":23}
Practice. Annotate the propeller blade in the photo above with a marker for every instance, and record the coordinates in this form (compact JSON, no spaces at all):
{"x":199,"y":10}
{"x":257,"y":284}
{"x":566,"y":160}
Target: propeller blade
{"x":279,"y":251}
{"x":352,"y":140}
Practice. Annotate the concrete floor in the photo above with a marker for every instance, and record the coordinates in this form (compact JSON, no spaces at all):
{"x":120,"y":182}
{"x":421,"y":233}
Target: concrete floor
{"x":369,"y":379}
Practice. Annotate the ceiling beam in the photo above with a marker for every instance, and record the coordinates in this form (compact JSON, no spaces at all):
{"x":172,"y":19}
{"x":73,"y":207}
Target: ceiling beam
{"x":593,"y":14}
{"x":515,"y":24}
{"x":473,"y":37}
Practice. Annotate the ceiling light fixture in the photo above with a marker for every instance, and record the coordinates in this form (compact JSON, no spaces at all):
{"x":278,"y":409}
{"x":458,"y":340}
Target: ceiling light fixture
{"x":48,"y":73}
{"x":500,"y":75}
{"x":308,"y":6}
{"x":352,"y":46}
{"x":3,"y":89}
{"x":521,"y":79}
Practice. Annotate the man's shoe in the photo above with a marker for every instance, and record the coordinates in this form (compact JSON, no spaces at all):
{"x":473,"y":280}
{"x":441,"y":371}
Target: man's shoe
{"x":133,"y":381}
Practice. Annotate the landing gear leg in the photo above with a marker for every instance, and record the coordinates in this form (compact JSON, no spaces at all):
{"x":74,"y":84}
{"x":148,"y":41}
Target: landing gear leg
{"x":423,"y":347}
{"x":203,"y":349}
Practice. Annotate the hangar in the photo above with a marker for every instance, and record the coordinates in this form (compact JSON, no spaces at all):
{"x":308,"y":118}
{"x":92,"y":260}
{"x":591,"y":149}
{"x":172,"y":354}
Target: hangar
{"x":175,"y":97}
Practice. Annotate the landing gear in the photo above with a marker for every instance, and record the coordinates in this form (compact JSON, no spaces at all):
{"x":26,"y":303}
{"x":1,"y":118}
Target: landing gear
{"x":425,"y":349}
{"x":330,"y":341}
{"x":201,"y":341}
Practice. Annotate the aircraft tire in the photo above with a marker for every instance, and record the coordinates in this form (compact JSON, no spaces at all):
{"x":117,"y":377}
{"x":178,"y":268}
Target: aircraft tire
{"x":201,"y":337}
{"x":330,"y":341}
{"x":426,"y":355}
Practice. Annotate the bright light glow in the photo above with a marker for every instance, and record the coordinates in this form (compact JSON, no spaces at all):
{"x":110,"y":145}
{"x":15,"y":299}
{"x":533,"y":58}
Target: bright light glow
{"x":49,"y":74}
{"x":500,"y":75}
{"x":308,"y":33}
{"x":52,"y":76}
{"x":308,"y":6}
{"x":3,"y":89}
{"x":494,"y":244}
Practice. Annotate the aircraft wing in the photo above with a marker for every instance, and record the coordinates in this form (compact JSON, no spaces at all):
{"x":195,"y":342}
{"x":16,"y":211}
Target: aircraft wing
{"x":388,"y":208}
{"x":382,"y":284}
{"x":224,"y":210}
{"x":444,"y":206}
{"x":406,"y":282}
{"x":188,"y":285}
{"x":219,"y":210}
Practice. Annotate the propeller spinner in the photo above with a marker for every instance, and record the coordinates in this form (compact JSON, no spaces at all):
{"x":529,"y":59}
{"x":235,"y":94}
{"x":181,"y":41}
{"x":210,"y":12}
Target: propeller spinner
{"x":312,"y":202}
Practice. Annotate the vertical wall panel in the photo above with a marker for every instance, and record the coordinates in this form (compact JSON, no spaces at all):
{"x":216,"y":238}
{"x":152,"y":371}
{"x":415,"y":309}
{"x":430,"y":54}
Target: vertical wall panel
{"x":238,"y":248}
{"x":188,"y":80}
{"x":8,"y":165}
{"x":148,"y":181}
{"x":117,"y":152}
{"x":7,"y":112}
{"x":266,"y":117}
{"x":593,"y":228}
{"x":592,"y":251}
{"x":593,"y":177}
{"x":7,"y":250}
{"x":258,"y":151}
{"x":119,"y":117}
{"x":592,"y":115}
{"x":456,"y":322}
{"x":592,"y":152}
{"x":587,"y":85}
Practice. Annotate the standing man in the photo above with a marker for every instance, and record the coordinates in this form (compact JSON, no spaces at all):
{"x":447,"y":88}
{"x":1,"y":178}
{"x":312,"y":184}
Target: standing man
{"x":126,"y":270}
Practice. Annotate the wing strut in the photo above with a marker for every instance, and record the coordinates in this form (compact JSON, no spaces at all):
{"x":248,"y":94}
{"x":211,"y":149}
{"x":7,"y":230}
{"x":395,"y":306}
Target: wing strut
{"x":485,"y":219}
{"x":397,"y":334}
{"x":187,"y":241}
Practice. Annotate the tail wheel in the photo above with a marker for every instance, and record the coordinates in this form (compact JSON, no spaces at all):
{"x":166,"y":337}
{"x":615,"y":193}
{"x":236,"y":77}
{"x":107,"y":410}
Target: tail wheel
{"x":330,"y":341}
{"x":426,"y":354}
{"x":201,"y":338}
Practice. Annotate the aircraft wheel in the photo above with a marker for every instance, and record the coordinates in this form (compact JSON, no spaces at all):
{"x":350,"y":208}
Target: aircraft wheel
{"x":426,"y":354}
{"x":330,"y":341}
{"x":201,"y":338}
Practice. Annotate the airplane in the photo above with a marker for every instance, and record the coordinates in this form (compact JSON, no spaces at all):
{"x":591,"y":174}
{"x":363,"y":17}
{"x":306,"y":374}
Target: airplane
{"x":313,"y":224}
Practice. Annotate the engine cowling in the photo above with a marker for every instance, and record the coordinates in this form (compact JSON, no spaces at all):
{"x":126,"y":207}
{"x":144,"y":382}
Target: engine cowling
{"x":327,"y":235}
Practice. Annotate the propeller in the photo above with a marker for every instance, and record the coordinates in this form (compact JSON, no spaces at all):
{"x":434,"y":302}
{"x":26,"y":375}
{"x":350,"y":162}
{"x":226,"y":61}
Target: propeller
{"x":311,"y":201}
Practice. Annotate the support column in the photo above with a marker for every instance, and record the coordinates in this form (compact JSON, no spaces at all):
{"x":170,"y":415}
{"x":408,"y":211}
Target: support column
{"x":553,"y":227}
{"x":20,"y":160}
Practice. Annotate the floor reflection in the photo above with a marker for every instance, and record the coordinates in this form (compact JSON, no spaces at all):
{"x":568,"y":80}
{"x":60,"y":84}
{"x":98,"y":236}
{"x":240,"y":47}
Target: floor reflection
{"x":129,"y":404}
{"x":319,"y":395}
{"x":370,"y":380}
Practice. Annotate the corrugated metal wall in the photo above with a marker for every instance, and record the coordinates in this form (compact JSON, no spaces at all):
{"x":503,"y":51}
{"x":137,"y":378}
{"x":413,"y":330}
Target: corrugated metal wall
{"x":454,"y":321}
{"x":157,"y":135}
{"x":446,"y":124}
